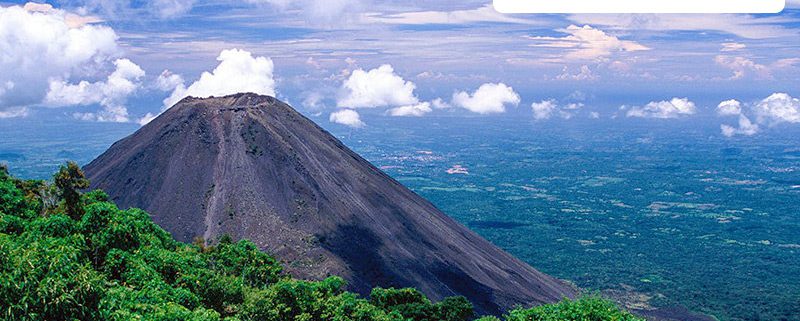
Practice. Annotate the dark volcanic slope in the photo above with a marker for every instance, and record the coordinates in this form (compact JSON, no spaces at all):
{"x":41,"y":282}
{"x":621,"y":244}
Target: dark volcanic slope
{"x":252,"y":167}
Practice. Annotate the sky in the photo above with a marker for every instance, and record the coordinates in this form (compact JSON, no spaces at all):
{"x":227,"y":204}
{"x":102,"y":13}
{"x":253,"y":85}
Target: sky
{"x":128,"y":61}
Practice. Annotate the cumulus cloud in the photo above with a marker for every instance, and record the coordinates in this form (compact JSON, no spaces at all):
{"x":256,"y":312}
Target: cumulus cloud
{"x":111,"y":93}
{"x":168,"y":81}
{"x":746,"y":127}
{"x":41,"y":45}
{"x":489,"y":98}
{"x":14,"y":112}
{"x":347,"y":117}
{"x":587,"y":43}
{"x":778,"y":108}
{"x":382,"y":87}
{"x":573,"y":106}
{"x":543,"y":109}
{"x":147,"y":118}
{"x":731,"y":107}
{"x":438,"y":103}
{"x":313,"y":100}
{"x":583,"y":74}
{"x":570,"y":110}
{"x":379,"y":87}
{"x":674,"y":108}
{"x":238,"y":71}
{"x":741,"y":66}
{"x":411,"y":110}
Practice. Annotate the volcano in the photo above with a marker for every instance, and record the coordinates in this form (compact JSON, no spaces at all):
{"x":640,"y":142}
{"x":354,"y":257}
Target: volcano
{"x":252,"y":167}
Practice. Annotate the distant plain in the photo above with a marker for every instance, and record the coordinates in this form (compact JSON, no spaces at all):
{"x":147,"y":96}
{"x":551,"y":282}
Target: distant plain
{"x":660,"y":214}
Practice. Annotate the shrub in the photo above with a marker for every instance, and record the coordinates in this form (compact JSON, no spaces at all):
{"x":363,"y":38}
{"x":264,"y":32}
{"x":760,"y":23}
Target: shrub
{"x":589,"y":308}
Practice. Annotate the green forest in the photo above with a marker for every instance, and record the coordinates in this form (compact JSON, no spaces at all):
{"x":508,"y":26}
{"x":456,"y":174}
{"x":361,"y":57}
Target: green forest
{"x":66,"y":254}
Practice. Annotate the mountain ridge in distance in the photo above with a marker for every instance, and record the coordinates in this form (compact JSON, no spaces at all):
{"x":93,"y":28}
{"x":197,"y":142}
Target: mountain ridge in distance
{"x":253,"y":167}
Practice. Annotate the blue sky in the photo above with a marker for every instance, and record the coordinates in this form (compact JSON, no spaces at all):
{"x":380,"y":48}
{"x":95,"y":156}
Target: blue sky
{"x":567,"y":66}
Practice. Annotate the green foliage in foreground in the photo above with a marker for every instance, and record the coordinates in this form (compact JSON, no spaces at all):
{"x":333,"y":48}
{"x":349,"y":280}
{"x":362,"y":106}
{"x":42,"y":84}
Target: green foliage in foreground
{"x":65,"y":255}
{"x":585,"y":309}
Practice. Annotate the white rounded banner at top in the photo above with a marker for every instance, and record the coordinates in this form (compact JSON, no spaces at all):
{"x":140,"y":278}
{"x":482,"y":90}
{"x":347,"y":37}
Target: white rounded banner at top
{"x":639,"y":6}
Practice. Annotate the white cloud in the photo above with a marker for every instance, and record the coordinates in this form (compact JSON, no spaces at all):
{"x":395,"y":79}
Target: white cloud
{"x":487,"y":99}
{"x":411,"y":110}
{"x":674,"y":108}
{"x":746,"y":127}
{"x":382,"y":87}
{"x":41,"y":45}
{"x":745,"y":26}
{"x":379,"y":87}
{"x":171,"y":8}
{"x":238,"y":71}
{"x":587,"y":43}
{"x":319,"y":12}
{"x":313,"y":101}
{"x":584,"y":74}
{"x":146,"y":119}
{"x":573,"y":106}
{"x":775,"y":109}
{"x":784,"y":63}
{"x":547,"y":108}
{"x":129,"y":10}
{"x":14,"y":112}
{"x":544,"y":109}
{"x":570,"y":110}
{"x":111,"y":93}
{"x":729,"y":107}
{"x":168,"y":81}
{"x":577,"y":96}
{"x":485,"y":13}
{"x":778,"y":108}
{"x":438,"y":103}
{"x":72,"y":20}
{"x":741,"y":66}
{"x":347,"y":117}
{"x":732,"y":46}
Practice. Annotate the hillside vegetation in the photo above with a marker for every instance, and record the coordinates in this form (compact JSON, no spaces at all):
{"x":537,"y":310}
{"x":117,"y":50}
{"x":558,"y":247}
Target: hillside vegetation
{"x":68,"y":255}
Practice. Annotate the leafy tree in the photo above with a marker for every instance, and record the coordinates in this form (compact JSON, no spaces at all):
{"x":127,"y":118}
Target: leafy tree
{"x":410,"y":303}
{"x":456,"y":308}
{"x":12,"y":200}
{"x":69,"y":181}
{"x":589,"y":308}
{"x":413,"y":305}
{"x":243,"y":258}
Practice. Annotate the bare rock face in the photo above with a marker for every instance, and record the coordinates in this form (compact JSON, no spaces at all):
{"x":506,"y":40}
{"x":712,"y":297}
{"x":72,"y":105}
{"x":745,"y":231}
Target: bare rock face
{"x":252,"y":167}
